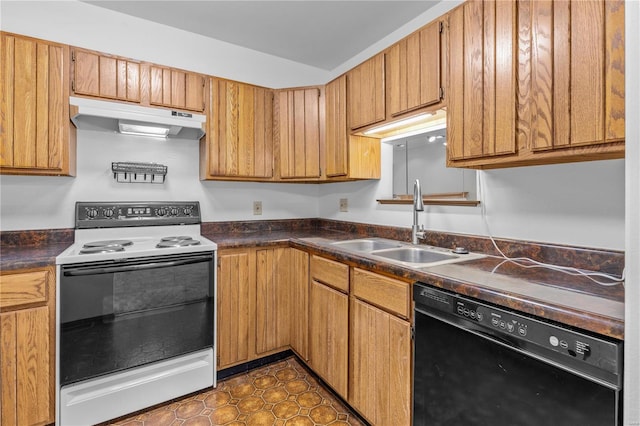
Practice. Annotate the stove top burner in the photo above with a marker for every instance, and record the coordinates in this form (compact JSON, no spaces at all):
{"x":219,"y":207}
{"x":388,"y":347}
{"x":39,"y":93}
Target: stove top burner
{"x":108,"y":243}
{"x":103,"y":249}
{"x":176,"y":238}
{"x":177,"y":243}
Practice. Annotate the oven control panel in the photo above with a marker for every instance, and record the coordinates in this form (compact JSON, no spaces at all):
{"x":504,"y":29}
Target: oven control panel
{"x":105,"y":215}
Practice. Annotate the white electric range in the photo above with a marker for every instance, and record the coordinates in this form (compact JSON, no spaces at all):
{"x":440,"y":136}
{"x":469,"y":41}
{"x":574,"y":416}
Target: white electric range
{"x":135,"y":310}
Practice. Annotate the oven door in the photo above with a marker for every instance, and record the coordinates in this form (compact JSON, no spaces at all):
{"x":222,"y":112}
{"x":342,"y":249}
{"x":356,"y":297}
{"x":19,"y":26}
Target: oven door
{"x":116,"y":316}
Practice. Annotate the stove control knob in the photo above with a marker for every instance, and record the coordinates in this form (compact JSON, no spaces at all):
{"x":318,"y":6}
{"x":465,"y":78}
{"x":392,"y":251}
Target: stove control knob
{"x":161,"y":212}
{"x":187,"y":211}
{"x":108,"y":212}
{"x":92,"y":213}
{"x":174,"y":211}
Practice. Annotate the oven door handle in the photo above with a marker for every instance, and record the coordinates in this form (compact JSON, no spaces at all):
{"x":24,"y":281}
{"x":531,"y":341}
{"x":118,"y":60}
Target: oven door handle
{"x":132,"y":268}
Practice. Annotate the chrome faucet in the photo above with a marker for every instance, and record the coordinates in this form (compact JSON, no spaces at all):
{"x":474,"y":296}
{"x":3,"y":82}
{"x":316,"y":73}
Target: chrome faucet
{"x":418,"y":206}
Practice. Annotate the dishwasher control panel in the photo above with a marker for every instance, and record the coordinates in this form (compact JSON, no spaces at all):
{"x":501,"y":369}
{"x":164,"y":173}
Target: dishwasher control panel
{"x":543,"y":338}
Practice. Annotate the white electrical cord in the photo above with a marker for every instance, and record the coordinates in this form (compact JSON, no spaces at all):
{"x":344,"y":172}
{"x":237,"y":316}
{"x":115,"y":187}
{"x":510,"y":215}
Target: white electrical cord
{"x":534,"y":263}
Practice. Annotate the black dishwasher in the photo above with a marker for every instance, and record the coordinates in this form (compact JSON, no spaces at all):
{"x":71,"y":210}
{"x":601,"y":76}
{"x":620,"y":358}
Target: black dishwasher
{"x":477,"y":364}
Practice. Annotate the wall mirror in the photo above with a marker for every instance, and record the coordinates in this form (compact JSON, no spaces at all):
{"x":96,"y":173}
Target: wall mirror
{"x":423,"y":157}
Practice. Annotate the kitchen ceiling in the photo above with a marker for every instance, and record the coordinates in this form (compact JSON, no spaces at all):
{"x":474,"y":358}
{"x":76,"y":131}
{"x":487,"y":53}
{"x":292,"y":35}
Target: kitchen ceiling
{"x":322,"y":34}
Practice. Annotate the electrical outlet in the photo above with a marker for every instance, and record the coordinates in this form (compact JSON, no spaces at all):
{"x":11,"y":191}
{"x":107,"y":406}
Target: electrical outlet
{"x":257,"y":207}
{"x":344,"y":204}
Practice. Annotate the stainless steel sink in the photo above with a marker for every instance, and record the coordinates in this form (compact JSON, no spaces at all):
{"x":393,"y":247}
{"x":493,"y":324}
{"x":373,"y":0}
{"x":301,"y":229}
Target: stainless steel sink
{"x":416,"y":255}
{"x":403,"y":253}
{"x":366,"y":244}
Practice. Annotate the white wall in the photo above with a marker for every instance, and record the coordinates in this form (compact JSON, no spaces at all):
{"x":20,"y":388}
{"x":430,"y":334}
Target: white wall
{"x":84,"y":25}
{"x":33,"y":202}
{"x":632,"y":252}
{"x":577,"y":204}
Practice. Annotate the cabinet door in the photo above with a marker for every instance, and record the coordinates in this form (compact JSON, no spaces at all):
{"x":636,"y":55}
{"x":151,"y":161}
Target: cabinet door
{"x":27,"y":341}
{"x":366,"y":93}
{"x":481,"y":101}
{"x":26,"y":375}
{"x":37,"y":135}
{"x":380,"y":365}
{"x":328,"y":330}
{"x":577,"y":73}
{"x":300,"y":303}
{"x":346,"y":156}
{"x":105,"y":76}
{"x":413,"y":71}
{"x":176,"y":89}
{"x":298,"y":125}
{"x":273,"y":305}
{"x":240,"y":134}
{"x":233,"y":318}
{"x":336,"y":153}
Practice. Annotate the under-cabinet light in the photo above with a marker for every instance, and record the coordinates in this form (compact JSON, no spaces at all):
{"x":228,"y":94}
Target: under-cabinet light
{"x":397,"y":124}
{"x":143,"y":130}
{"x":435,"y":125}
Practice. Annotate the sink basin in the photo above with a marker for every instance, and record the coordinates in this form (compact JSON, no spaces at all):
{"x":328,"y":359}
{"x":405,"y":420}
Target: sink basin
{"x":366,"y":245}
{"x":403,"y":253}
{"x":415,"y":255}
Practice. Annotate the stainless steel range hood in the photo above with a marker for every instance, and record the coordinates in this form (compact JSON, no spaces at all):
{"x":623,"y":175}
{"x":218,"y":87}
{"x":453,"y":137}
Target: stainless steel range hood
{"x":92,"y":114}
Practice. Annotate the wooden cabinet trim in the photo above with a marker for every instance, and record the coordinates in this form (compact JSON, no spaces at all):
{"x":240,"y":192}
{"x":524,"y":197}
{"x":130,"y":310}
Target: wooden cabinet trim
{"x":23,"y":289}
{"x":330,"y":272}
{"x":386,"y":293}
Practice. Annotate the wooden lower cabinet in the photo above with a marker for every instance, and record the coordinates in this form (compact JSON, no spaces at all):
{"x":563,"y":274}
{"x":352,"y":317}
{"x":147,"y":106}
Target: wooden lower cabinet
{"x":299,"y":265}
{"x":262,"y":303}
{"x":328,"y":331}
{"x":273,"y":297}
{"x":351,"y":326}
{"x":27,"y":344}
{"x":380,"y":365}
{"x":235,"y":287}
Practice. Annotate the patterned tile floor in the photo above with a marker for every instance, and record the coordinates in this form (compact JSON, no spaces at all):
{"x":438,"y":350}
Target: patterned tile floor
{"x":280,"y":394}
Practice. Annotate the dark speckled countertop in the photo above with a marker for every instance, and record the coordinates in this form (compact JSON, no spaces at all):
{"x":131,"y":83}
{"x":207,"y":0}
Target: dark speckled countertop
{"x":571,"y":300}
{"x":574,"y":301}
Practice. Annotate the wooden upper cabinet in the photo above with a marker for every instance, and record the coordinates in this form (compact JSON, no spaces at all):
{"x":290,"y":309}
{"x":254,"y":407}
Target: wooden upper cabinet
{"x":566,"y":101}
{"x":239,"y":139}
{"x":346,"y":156}
{"x":366,"y":93}
{"x":37,"y":136}
{"x":105,"y":76}
{"x":297,"y":121}
{"x":413,"y":71}
{"x":336,"y":142}
{"x":481,"y":100}
{"x":577,"y":72}
{"x":176,"y":89}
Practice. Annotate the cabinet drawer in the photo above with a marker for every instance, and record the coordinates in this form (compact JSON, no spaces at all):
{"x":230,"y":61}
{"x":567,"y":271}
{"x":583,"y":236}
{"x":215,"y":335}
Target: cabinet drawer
{"x":23,"y":289}
{"x":386,"y":293}
{"x":332,"y":273}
